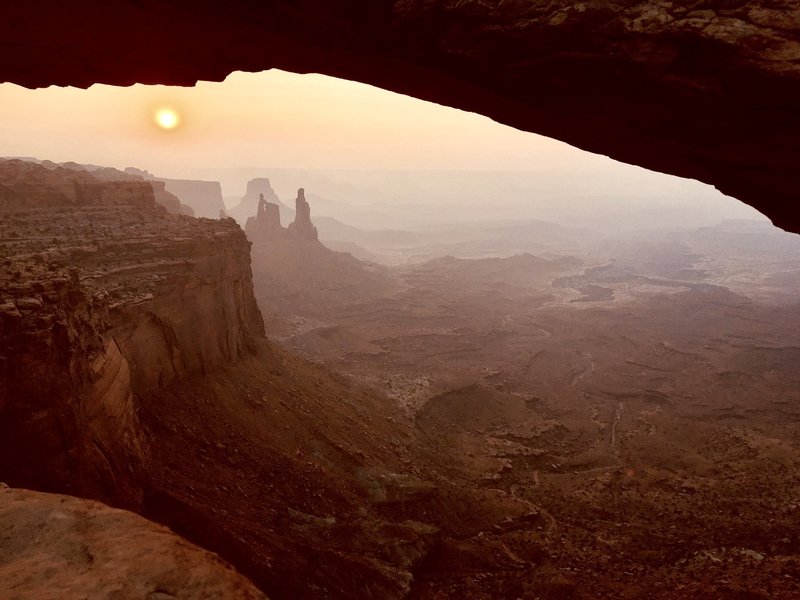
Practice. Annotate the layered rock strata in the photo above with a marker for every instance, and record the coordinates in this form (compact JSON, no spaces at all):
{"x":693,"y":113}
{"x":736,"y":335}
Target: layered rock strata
{"x":104,"y":296}
{"x":126,"y":374}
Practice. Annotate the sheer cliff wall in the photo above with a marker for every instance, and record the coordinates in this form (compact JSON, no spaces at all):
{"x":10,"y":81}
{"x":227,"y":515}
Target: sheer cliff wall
{"x":104,"y":297}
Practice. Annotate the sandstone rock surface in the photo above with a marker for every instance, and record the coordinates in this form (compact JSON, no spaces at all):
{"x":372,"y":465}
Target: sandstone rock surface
{"x":104,"y":296}
{"x":707,"y":89}
{"x":54,"y":546}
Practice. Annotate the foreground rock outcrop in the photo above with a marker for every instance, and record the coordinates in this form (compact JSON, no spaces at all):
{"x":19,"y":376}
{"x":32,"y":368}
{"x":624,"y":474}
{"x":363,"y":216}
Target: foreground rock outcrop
{"x":59,"y":546}
{"x":707,"y":90}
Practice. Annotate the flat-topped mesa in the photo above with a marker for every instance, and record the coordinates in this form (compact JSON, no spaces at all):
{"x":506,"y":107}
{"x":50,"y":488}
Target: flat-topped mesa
{"x":183,"y":192}
{"x":170,"y":201}
{"x":266,"y":224}
{"x":203,"y":197}
{"x":257,"y":187}
{"x":302,"y":226}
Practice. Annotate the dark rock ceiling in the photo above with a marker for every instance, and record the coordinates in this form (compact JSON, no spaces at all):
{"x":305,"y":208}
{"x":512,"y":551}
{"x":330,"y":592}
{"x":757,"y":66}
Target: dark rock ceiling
{"x":702,"y":89}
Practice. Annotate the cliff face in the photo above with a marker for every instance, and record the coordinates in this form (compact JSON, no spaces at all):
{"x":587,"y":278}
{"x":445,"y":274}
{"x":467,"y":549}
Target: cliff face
{"x":133,"y":369}
{"x":169,"y":201}
{"x":104,"y":296}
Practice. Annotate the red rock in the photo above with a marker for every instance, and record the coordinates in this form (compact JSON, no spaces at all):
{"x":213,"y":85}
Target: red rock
{"x":59,"y":546}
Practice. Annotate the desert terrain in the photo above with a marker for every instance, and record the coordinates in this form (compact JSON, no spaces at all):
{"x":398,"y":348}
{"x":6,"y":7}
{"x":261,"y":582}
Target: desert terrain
{"x":589,"y":416}
{"x":638,"y":397}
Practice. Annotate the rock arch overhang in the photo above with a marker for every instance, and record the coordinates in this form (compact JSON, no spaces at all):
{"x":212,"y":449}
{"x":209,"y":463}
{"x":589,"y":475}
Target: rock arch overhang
{"x":706,"y":89}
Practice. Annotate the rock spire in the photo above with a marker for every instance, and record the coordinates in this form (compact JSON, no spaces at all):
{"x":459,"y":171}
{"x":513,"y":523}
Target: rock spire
{"x":302,"y":225}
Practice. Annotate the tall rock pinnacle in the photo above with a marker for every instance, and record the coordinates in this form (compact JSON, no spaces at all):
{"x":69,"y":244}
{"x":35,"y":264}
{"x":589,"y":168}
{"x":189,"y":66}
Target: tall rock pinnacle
{"x":302,"y":226}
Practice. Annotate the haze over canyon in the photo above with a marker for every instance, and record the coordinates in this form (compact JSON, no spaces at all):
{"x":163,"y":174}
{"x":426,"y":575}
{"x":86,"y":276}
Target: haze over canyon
{"x":290,"y":336}
{"x":498,"y":408}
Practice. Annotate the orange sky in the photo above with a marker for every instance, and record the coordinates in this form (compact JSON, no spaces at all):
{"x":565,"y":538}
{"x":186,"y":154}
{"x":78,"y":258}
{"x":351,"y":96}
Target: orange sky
{"x":268,"y":119}
{"x":275,"y":119}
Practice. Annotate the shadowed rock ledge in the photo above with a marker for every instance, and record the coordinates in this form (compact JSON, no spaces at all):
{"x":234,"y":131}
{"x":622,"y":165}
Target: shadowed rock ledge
{"x":60,"y":546}
{"x":708,"y":89}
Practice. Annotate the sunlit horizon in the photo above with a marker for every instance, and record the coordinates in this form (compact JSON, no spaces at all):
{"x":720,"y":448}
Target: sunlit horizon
{"x":256,"y":123}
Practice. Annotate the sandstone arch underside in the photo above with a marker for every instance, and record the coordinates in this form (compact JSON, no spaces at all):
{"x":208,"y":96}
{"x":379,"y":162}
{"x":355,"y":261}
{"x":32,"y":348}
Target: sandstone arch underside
{"x":702,"y":89}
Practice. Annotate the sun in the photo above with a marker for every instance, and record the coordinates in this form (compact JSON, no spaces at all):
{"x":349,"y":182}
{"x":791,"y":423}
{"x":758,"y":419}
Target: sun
{"x":167,"y":118}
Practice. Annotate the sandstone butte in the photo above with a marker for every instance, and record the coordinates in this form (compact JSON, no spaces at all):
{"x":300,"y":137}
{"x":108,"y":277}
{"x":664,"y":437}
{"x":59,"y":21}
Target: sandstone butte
{"x":708,"y":90}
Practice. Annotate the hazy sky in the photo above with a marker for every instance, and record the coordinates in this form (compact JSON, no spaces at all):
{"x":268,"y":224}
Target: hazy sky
{"x":274,"y":120}
{"x":269,"y":119}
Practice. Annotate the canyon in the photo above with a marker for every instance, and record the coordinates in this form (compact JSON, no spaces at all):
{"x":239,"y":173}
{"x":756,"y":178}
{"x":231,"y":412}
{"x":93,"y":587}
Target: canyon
{"x":608,"y":417}
{"x":527,"y":411}
{"x":135,"y":371}
{"x":633,"y":399}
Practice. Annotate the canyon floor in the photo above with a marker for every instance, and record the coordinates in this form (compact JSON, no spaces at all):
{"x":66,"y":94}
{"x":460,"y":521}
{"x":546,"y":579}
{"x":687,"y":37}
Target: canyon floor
{"x":640,"y":401}
{"x":602,"y":418}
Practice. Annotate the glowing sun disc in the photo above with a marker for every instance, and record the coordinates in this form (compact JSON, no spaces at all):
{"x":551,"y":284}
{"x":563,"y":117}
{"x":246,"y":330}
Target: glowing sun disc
{"x":166,"y":118}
